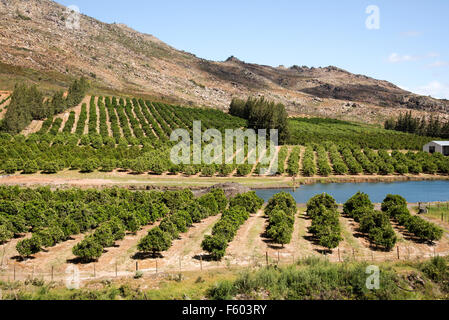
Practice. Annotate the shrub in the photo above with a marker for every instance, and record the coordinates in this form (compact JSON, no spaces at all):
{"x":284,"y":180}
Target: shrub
{"x":281,"y":210}
{"x":378,"y":227}
{"x":244,"y":169}
{"x":129,"y":221}
{"x":396,"y":207}
{"x":308,"y":163}
{"x":30,"y":167}
{"x":169,"y":227}
{"x":315,"y":203}
{"x":117,"y":228}
{"x":437,"y":270}
{"x":220,"y":198}
{"x":358,"y":201}
{"x":179,"y":222}
{"x":88,"y":250}
{"x":323,"y":162}
{"x":226,"y":228}
{"x":250,"y":201}
{"x":280,"y":228}
{"x":226,"y":169}
{"x":185,"y":216}
{"x":325,"y":220}
{"x":392,"y":201}
{"x":103,"y":235}
{"x":45,"y":237}
{"x":10,"y":166}
{"x":69,"y":227}
{"x":50,"y":167}
{"x":139,"y":166}
{"x":208,"y":201}
{"x":5,"y":234}
{"x":88,"y":165}
{"x":28,"y":247}
{"x":326,"y":228}
{"x":197,"y":212}
{"x":215,"y":245}
{"x":284,"y":201}
{"x":18,"y":224}
{"x":56,"y":233}
{"x":157,"y":210}
{"x":208,"y":171}
{"x":293,"y":162}
{"x":339,"y":166}
{"x":155,"y":242}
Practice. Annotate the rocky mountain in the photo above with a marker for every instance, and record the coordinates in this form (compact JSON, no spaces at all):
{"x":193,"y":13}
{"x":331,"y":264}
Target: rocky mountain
{"x":36,"y":45}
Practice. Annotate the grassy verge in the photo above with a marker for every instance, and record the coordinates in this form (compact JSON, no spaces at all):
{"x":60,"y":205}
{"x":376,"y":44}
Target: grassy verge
{"x":436,"y":211}
{"x":318,"y":279}
{"x":192,"y":285}
{"x":439,"y":210}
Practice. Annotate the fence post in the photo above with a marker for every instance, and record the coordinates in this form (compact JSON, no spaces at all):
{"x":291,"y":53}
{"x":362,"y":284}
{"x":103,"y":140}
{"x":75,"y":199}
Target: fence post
{"x":339,"y":256}
{"x":353,"y":254}
{"x":116,"y":273}
{"x":399,"y":256}
{"x":201,"y":262}
{"x":279,"y":257}
{"x":14,"y":272}
{"x":180,"y":265}
{"x":52,"y":273}
{"x":3,"y":254}
{"x":137,"y":265}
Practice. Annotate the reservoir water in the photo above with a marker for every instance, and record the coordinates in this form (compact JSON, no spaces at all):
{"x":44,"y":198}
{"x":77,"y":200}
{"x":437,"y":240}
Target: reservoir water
{"x":413,"y":191}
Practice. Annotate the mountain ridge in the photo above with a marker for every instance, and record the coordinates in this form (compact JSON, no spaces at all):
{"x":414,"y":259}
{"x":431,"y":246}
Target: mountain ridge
{"x":34,"y":37}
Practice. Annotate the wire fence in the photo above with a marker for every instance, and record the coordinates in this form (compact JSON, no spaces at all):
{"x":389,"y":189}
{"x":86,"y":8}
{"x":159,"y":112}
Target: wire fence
{"x":11,"y":270}
{"x":438,"y":210}
{"x":76,"y":274}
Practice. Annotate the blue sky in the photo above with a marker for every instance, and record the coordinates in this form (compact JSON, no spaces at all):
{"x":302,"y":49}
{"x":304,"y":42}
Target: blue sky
{"x":410,"y":48}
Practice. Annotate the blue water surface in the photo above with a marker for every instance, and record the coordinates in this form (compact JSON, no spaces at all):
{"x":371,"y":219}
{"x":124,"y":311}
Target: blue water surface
{"x":413,"y":191}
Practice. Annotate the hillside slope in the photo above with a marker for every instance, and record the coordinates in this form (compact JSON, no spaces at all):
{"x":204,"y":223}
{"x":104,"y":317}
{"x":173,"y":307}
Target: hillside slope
{"x":36,"y":45}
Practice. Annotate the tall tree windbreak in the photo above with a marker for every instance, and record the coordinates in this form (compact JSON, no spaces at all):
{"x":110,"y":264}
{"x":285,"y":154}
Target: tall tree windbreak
{"x":27,"y":104}
{"x":262,"y":114}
